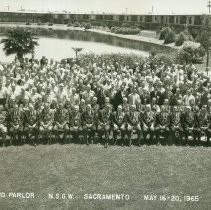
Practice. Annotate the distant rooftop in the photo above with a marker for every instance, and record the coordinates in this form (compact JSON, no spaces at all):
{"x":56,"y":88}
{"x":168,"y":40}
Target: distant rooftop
{"x":95,"y":13}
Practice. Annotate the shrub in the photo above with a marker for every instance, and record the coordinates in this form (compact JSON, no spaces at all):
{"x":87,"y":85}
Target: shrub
{"x":168,"y":59}
{"x":120,"y":30}
{"x":40,"y":24}
{"x":193,"y":31}
{"x":126,"y":25}
{"x":113,"y":29}
{"x":180,"y":39}
{"x":88,"y":26}
{"x":77,"y":24}
{"x":99,"y":23}
{"x":164,"y":32}
{"x":69,"y":24}
{"x":183,"y":37}
{"x":188,"y":35}
{"x":28,"y":23}
{"x":125,"y":59}
{"x":189,"y":53}
{"x":200,"y":52}
{"x":170,"y":38}
{"x":83,"y":24}
{"x":50,"y":24}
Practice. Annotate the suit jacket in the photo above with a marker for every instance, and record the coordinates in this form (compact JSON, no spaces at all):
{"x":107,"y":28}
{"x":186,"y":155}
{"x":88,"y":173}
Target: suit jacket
{"x":118,"y":99}
{"x":104,"y":117}
{"x":159,"y":97}
{"x":118,"y":119}
{"x":162,"y":119}
{"x":133,"y":119}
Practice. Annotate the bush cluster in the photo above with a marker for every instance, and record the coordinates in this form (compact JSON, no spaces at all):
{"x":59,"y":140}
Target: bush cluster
{"x":167,"y":58}
{"x":86,"y":25}
{"x":164,"y":32}
{"x":183,"y":37}
{"x":77,"y":24}
{"x":120,"y":30}
{"x":190,"y":53}
{"x":168,"y":35}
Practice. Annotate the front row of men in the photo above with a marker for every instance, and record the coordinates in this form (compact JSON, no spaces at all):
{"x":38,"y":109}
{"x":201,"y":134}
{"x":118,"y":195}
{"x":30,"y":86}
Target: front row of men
{"x":90,"y":124}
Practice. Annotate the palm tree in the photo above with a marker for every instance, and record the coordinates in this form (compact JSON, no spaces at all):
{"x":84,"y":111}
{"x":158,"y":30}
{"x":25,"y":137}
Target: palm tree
{"x":20,"y":42}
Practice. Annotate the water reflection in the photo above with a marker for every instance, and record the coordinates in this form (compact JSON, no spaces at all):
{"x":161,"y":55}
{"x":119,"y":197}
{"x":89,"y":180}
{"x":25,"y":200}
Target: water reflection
{"x":58,"y":44}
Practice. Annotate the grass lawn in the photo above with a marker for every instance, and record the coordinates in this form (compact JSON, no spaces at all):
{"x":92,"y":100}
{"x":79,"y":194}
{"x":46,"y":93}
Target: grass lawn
{"x":81,"y":169}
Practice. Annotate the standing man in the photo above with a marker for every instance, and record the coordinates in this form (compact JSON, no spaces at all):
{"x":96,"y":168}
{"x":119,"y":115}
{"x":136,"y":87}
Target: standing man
{"x":3,"y":124}
{"x":3,"y":94}
{"x":118,"y":97}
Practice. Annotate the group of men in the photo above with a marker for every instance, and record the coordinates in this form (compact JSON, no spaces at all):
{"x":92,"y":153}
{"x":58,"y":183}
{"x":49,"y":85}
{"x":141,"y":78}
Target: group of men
{"x":104,"y":99}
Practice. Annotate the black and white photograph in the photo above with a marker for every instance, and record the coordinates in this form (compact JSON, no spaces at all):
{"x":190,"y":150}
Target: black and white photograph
{"x":105,"y":104}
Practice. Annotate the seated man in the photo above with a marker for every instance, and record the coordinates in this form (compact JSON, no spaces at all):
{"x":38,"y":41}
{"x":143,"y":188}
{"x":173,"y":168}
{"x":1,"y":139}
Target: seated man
{"x":175,"y":125}
{"x":3,"y":124}
{"x":134,"y":122}
{"x":89,"y":124}
{"x":104,"y":123}
{"x":188,"y":124}
{"x":75,"y":123}
{"x":15,"y":119}
{"x":148,"y":124}
{"x":119,"y":124}
{"x":202,"y":124}
{"x":31,"y":125}
{"x":162,"y":124}
{"x":61,"y":120}
{"x":46,"y":123}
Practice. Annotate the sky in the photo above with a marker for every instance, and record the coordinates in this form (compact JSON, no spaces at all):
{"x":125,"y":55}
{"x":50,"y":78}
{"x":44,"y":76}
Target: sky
{"x":109,"y":6}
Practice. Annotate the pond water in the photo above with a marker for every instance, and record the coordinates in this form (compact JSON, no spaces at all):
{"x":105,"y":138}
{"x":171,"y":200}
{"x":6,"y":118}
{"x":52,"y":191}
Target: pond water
{"x":58,"y":44}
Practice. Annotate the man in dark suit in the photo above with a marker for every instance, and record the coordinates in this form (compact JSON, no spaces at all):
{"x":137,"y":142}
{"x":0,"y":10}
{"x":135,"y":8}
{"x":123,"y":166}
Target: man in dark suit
{"x":118,"y":98}
{"x":134,"y":122}
{"x":162,"y":125}
{"x":188,"y":123}
{"x":158,"y":94}
{"x":104,"y":123}
{"x":89,"y":122}
{"x":119,"y":124}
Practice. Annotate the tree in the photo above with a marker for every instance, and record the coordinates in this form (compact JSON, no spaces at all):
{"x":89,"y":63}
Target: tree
{"x":20,"y":42}
{"x":183,"y":37}
{"x":170,"y":37}
{"x":164,"y":33}
{"x":189,"y":53}
{"x":204,"y":38}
